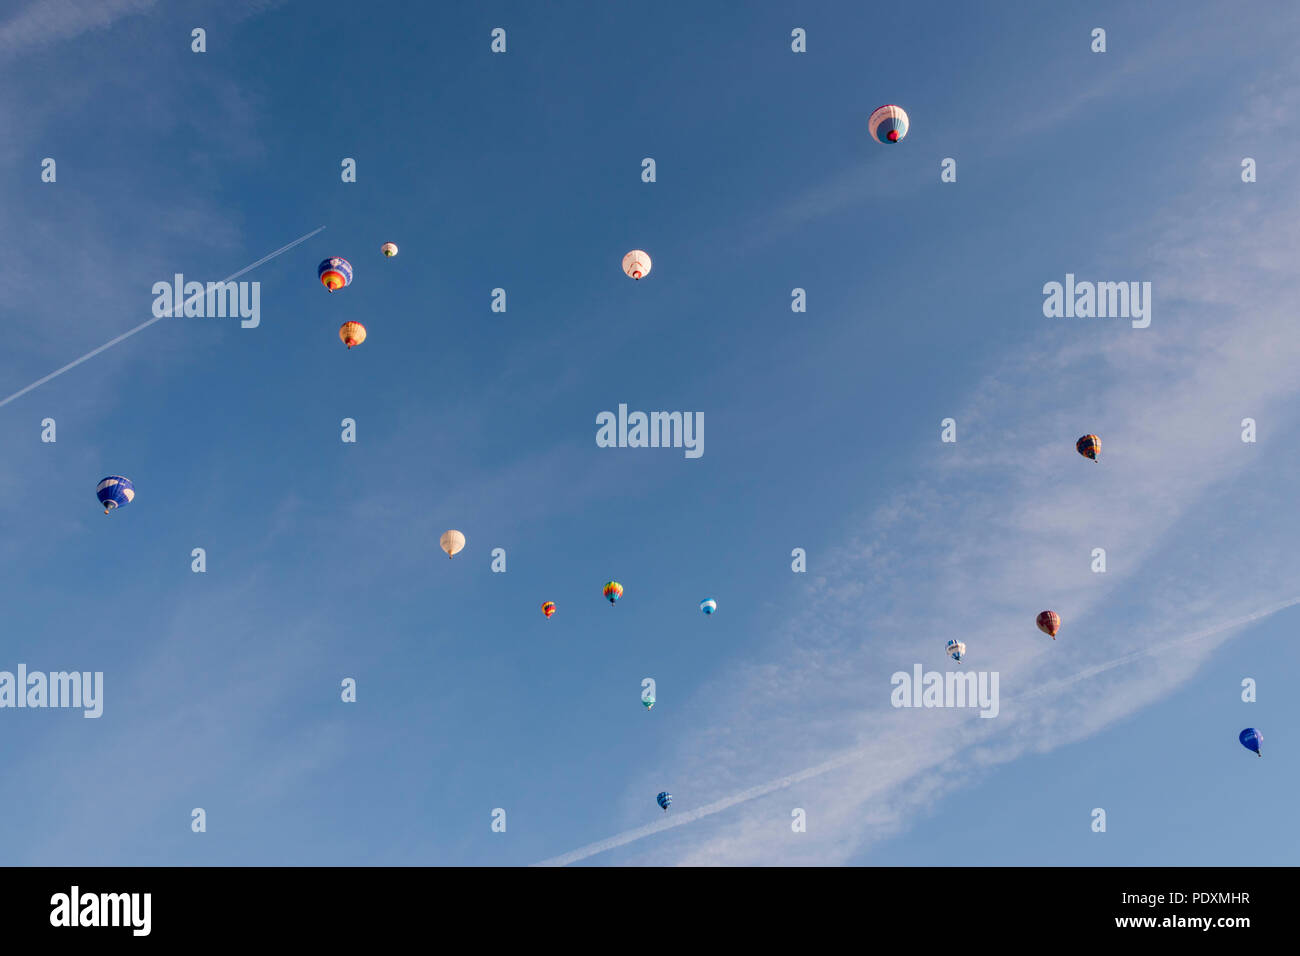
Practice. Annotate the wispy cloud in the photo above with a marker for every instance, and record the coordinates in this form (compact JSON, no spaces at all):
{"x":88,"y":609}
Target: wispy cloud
{"x":49,"y":21}
{"x":1001,"y":526}
{"x":883,"y":762}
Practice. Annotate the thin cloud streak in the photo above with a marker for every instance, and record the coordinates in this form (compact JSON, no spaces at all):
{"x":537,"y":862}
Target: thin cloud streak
{"x":139,"y":328}
{"x":50,"y":21}
{"x":852,"y":756}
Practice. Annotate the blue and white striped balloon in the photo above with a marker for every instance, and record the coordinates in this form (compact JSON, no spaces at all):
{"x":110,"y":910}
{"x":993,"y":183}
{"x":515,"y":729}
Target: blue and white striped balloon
{"x":888,"y":124}
{"x":665,"y":800}
{"x":708,"y":605}
{"x":114,"y":492}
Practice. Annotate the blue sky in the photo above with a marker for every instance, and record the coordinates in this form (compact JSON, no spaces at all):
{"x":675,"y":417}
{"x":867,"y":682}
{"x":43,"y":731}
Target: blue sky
{"x":522,"y":171}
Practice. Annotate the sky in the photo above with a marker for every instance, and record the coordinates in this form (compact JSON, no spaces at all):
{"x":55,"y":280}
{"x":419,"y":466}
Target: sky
{"x":522,"y":171}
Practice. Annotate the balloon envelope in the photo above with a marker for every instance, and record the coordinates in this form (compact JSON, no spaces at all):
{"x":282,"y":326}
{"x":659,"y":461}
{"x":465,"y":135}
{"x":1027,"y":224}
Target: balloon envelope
{"x":665,"y":799}
{"x":1089,"y":446}
{"x":1049,"y":622}
{"x":548,"y":608}
{"x":452,"y":542}
{"x":637,"y":264}
{"x":114,"y":492}
{"x":335,"y":273}
{"x":613,"y":591}
{"x":389,"y":249}
{"x":648,"y":701}
{"x":888,"y":124}
{"x":708,"y":605}
{"x":956,"y":650}
{"x":352,"y":333}
{"x":1251,"y":739}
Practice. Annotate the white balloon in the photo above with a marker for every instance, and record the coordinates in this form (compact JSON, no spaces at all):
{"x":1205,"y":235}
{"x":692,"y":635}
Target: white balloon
{"x":637,"y":264}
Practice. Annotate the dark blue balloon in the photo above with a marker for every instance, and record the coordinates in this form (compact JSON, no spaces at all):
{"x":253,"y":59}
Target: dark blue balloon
{"x":1251,"y":739}
{"x":665,"y":799}
{"x":114,"y":492}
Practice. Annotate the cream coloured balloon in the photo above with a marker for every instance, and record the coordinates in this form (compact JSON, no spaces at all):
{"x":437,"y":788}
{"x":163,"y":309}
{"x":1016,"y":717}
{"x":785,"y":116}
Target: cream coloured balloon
{"x":453,"y":542}
{"x":637,"y":264}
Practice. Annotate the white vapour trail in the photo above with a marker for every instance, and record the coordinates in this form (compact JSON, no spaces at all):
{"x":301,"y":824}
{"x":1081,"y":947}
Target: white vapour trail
{"x":1094,"y":670}
{"x":126,"y":335}
{"x":849,"y":757}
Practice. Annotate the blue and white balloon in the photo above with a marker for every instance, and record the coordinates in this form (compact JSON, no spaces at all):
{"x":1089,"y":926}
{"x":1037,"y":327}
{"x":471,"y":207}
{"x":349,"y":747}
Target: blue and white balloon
{"x":708,"y":605}
{"x":114,"y":492}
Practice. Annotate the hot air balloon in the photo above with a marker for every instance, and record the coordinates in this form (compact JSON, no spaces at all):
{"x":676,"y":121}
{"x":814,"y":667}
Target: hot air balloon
{"x":352,"y":333}
{"x":548,"y":608}
{"x":453,"y":542}
{"x":648,"y":701}
{"x":1049,"y":622}
{"x":1089,"y":446}
{"x":956,"y":650}
{"x":708,"y":605}
{"x":888,"y":124}
{"x":114,"y":492}
{"x":1251,"y":739}
{"x":613,"y":591}
{"x":389,"y":249}
{"x":335,"y":273}
{"x":665,"y":800}
{"x":637,"y":264}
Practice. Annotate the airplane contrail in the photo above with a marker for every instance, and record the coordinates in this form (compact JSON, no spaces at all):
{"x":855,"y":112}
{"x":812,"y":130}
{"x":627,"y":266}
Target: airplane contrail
{"x":126,"y":335}
{"x":629,"y":836}
{"x":1096,"y":669}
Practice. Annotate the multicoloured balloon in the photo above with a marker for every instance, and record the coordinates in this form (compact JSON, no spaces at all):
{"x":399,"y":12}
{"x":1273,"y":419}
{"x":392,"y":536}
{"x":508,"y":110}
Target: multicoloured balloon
{"x":389,"y":249}
{"x":665,"y":800}
{"x":637,"y":264}
{"x":648,"y":701}
{"x":613,"y":591}
{"x":335,"y":273}
{"x":956,"y":650}
{"x":888,"y":124}
{"x":114,"y":492}
{"x":1049,"y":622}
{"x":453,"y":542}
{"x":708,"y":605}
{"x":1251,"y":739}
{"x":548,"y":608}
{"x":352,"y":333}
{"x":1089,"y":446}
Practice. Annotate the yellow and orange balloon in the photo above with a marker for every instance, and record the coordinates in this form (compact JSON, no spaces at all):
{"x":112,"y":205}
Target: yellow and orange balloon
{"x":352,"y":333}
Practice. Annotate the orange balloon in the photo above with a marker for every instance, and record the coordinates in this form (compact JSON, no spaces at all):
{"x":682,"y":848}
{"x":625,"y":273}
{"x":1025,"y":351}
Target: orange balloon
{"x":352,"y":333}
